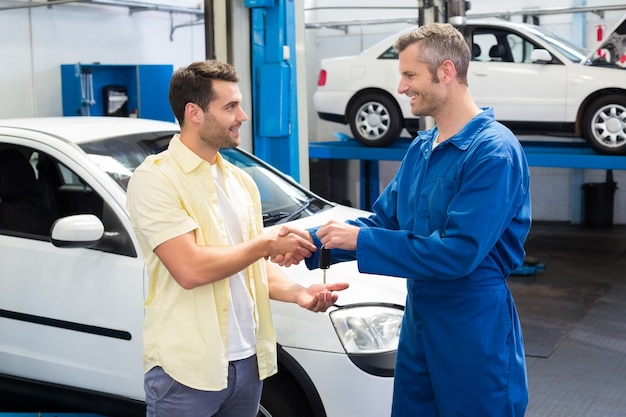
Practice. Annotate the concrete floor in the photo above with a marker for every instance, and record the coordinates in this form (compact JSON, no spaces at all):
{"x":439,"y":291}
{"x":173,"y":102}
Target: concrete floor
{"x":585,"y":375}
{"x":573,"y":315}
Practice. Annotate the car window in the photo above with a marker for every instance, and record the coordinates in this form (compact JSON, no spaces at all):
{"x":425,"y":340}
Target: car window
{"x":390,"y":53}
{"x":36,"y":189}
{"x":493,"y":45}
{"x":520,"y":48}
{"x":25,"y":202}
{"x":281,"y":198}
{"x":119,"y":156}
{"x":574,"y":53}
{"x":499,"y":45}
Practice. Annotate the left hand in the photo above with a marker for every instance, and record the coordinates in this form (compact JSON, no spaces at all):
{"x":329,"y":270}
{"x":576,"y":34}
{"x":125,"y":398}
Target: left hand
{"x":340,"y":235}
{"x":319,"y":297}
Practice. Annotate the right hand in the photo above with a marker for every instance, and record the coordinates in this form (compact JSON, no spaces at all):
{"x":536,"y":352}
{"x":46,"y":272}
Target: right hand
{"x":294,"y":258}
{"x":289,"y":246}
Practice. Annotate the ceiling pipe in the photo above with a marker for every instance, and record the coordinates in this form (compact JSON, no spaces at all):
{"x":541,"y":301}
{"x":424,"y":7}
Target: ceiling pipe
{"x":132,"y":5}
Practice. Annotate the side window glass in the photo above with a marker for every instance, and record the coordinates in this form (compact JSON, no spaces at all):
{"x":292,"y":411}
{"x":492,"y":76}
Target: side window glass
{"x":390,"y":53}
{"x":75,"y":196}
{"x":482,"y":43}
{"x":493,"y":45}
{"x":37,"y":189}
{"x":498,"y":45}
{"x":520,"y":48}
{"x":26,"y":207}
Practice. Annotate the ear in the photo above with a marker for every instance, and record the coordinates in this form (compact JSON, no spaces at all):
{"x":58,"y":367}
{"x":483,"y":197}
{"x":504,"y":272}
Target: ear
{"x":193,"y":113}
{"x":446,"y":71}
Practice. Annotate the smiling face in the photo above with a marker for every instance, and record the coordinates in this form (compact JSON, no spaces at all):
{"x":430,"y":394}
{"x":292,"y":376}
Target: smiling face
{"x":223,"y":117}
{"x":433,"y":61}
{"x":419,"y":84}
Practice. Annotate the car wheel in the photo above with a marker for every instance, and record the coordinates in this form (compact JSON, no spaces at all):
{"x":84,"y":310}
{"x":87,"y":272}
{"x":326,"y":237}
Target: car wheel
{"x":282,"y":397}
{"x":604,"y":125}
{"x":375,"y":120}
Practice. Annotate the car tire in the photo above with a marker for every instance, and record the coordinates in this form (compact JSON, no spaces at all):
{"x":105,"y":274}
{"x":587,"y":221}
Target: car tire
{"x":604,"y":125}
{"x":375,"y":120}
{"x":282,"y":397}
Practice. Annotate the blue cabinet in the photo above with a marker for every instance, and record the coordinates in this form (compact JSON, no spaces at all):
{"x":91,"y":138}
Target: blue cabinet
{"x":116,"y":90}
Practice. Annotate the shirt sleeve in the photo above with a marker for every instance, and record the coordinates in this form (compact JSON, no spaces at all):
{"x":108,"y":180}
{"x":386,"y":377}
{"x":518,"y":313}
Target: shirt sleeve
{"x":155,"y":208}
{"x":476,"y":212}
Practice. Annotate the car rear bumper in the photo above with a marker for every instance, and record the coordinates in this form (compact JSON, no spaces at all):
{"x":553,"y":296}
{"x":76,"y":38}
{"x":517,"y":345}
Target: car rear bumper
{"x":332,"y":104}
{"x":335,"y":118}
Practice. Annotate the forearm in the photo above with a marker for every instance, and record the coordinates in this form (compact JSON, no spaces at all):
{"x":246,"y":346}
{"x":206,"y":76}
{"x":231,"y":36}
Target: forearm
{"x":281,"y":288}
{"x":192,"y":266}
{"x":317,"y":297}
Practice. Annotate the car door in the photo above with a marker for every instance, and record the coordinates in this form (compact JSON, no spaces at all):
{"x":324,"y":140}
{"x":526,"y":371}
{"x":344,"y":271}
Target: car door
{"x":70,"y":316}
{"x":501,"y":75}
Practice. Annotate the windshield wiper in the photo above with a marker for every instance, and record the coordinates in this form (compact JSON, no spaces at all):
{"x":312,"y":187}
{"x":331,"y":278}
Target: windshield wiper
{"x":297,"y":213}
{"x":270,"y":219}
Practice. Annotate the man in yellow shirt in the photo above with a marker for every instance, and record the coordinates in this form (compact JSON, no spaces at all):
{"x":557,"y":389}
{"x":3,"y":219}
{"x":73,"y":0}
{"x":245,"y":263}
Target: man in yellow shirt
{"x":208,"y":335}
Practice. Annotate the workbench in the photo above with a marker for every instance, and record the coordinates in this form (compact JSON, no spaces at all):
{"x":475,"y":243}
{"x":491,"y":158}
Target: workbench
{"x":570,"y":153}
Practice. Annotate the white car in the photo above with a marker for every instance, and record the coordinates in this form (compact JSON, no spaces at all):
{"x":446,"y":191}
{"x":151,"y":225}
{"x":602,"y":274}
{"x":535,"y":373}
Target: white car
{"x":536,"y":82}
{"x":72,"y":282}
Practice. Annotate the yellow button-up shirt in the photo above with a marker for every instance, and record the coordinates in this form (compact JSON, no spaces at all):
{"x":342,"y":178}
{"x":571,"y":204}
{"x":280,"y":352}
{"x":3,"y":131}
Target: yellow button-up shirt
{"x":186,"y":331}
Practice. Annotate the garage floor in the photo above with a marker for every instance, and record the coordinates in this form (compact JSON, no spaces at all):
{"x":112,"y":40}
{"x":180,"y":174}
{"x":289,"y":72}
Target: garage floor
{"x":573,"y":315}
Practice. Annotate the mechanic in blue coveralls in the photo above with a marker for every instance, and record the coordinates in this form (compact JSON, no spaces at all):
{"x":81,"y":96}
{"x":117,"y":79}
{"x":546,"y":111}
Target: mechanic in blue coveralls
{"x":453,"y":222}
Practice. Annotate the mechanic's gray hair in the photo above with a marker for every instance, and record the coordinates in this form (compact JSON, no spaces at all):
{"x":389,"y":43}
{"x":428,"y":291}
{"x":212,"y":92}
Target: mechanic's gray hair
{"x":194,"y":84}
{"x":439,"y":42}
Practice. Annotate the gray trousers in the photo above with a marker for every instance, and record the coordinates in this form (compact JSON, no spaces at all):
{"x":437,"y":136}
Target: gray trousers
{"x":166,"y":397}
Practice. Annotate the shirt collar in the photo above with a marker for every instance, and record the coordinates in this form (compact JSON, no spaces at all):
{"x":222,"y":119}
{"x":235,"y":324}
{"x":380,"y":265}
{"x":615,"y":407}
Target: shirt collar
{"x":467,"y":134}
{"x":186,"y":158}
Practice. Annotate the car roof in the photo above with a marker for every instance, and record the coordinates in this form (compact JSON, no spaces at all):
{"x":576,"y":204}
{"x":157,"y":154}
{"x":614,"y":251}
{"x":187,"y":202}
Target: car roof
{"x":81,"y":129}
{"x":383,"y":44}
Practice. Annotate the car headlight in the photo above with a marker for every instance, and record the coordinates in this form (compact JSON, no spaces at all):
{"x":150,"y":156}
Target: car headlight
{"x":368,"y":329}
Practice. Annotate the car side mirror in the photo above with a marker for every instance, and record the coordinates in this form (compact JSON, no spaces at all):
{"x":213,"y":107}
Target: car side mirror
{"x":540,"y":56}
{"x":77,"y":231}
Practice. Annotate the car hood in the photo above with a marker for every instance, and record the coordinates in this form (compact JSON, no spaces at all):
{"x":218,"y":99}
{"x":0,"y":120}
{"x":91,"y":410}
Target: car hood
{"x":298,"y":328}
{"x":614,"y":43}
{"x":364,"y":288}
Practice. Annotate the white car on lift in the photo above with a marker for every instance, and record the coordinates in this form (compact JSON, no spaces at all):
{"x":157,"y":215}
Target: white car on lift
{"x":535,"y":81}
{"x":72,"y":282}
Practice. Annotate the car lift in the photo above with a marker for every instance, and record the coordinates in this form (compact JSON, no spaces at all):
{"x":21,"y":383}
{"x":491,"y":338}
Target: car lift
{"x":575,"y":155}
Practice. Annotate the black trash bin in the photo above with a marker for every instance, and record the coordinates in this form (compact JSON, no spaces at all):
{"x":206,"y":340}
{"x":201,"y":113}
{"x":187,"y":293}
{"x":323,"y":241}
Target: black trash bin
{"x":598,"y":202}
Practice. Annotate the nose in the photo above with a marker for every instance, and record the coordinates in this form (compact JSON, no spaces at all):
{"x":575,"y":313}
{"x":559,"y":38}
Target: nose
{"x":242,"y":117}
{"x":402,"y":87}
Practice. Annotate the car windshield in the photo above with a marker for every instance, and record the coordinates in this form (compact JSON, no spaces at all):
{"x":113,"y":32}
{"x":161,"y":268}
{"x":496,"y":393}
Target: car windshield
{"x":573,"y":52}
{"x":282,"y":198}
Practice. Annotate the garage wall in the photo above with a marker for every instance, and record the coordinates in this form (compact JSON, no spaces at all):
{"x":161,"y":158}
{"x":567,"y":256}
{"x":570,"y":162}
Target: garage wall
{"x":556,"y":192}
{"x":35,"y":42}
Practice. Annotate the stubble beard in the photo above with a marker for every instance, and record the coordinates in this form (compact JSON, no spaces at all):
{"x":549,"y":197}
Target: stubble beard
{"x":218,"y":140}
{"x":218,"y":136}
{"x":426,"y":105}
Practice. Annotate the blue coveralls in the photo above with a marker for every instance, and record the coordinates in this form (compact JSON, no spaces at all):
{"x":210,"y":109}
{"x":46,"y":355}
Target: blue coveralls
{"x":456,"y":219}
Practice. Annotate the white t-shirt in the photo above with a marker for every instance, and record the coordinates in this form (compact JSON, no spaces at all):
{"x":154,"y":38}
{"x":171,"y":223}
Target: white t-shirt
{"x":241,"y":326}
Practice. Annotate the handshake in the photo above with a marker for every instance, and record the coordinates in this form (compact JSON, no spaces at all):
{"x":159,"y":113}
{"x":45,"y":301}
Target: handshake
{"x":288,"y":245}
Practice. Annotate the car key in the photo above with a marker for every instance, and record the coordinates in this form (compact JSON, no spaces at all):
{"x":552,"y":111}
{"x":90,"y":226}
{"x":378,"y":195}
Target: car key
{"x":324,"y":260}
